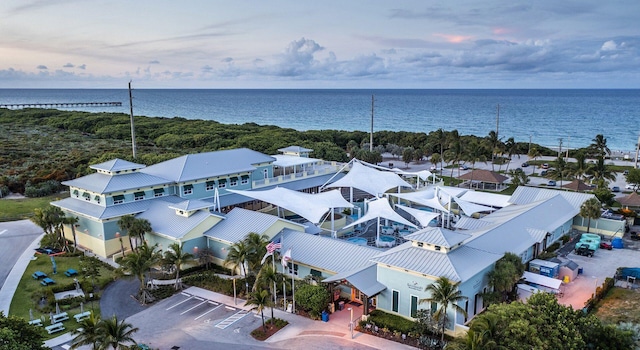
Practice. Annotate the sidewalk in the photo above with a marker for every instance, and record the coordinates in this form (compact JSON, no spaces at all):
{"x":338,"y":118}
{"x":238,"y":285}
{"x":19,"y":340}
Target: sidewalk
{"x":11,"y":283}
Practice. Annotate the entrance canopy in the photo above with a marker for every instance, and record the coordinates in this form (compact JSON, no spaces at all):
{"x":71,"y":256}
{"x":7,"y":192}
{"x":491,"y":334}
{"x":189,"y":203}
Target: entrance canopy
{"x":363,"y":279}
{"x":310,"y":206}
{"x":380,"y":208}
{"x":370,"y":180}
{"x":427,"y":198}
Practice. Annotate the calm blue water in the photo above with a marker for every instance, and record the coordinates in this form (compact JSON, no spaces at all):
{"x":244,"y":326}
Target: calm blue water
{"x":576,"y":116}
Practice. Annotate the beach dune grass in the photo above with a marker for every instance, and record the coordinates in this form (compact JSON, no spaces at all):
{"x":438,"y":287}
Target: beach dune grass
{"x":23,"y":208}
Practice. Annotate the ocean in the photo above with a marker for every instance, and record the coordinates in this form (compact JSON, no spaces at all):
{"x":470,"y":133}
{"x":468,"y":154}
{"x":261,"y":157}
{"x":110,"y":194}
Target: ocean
{"x":542,"y":116}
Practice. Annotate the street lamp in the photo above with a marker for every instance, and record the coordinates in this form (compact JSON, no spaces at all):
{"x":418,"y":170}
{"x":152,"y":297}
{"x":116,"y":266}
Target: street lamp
{"x":121,"y":245}
{"x":195,"y":250}
{"x":351,"y":321}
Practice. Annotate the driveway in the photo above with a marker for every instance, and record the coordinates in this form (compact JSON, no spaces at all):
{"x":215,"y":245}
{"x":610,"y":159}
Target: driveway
{"x":117,"y":299}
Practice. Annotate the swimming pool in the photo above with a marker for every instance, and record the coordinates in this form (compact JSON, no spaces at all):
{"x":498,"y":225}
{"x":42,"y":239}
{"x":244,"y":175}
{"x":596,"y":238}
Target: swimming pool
{"x":357,"y":240}
{"x":386,"y":241}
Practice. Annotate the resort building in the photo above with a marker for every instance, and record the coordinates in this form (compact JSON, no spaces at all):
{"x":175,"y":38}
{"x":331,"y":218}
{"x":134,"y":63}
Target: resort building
{"x":382,"y":251}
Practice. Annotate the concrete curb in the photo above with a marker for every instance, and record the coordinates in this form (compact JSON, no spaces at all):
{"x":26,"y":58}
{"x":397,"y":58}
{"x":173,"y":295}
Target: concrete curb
{"x":11,"y":283}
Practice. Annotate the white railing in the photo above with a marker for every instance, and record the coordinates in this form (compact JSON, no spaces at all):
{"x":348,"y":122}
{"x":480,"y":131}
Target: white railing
{"x":327,"y":168}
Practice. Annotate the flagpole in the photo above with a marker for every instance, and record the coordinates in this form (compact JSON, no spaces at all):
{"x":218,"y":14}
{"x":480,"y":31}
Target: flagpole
{"x":284,"y":280}
{"x":293,"y":289}
{"x":275,"y":290}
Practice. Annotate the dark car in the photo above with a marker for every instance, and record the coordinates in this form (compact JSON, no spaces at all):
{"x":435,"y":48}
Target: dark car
{"x":551,"y":183}
{"x":606,"y":245}
{"x":524,"y":165}
{"x":584,"y":250}
{"x":634,"y":235}
{"x":615,"y":189}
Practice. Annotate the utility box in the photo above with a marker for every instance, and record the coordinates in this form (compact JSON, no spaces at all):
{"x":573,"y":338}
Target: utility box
{"x":545,"y":268}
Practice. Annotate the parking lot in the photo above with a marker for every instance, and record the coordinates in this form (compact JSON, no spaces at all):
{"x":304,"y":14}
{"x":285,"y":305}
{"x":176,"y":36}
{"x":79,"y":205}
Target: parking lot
{"x":595,"y":269}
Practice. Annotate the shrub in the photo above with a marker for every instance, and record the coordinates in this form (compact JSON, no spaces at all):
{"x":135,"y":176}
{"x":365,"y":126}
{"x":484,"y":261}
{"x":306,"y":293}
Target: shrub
{"x":313,"y":299}
{"x":391,"y":322}
{"x":162,"y":292}
{"x":565,"y":239}
{"x":553,"y":247}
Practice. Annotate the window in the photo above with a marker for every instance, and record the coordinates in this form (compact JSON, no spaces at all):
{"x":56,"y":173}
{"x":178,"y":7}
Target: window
{"x":187,"y":189}
{"x":119,"y":199}
{"x":76,"y":193}
{"x":138,"y":196}
{"x":394,"y":300}
{"x":211,"y":185}
{"x":434,"y":307}
{"x":266,"y":173}
{"x":222,"y":183}
{"x":420,"y":244}
{"x":295,"y":268}
{"x":316,"y":273}
{"x":466,"y":310}
{"x":414,"y":305}
{"x":158,"y":192}
{"x":87,"y":196}
{"x":438,"y":248}
{"x":97,"y":199}
{"x":244,"y":179}
{"x":233,"y":181}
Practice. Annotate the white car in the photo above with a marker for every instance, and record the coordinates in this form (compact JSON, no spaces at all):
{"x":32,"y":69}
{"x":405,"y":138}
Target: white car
{"x":630,"y":186}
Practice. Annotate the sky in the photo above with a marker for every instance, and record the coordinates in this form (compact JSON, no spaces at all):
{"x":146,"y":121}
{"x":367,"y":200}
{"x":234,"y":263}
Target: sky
{"x":319,"y":44}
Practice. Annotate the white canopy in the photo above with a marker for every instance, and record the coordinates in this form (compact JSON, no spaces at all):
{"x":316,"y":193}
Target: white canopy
{"x":471,"y":208}
{"x":370,"y":180}
{"x":423,"y":217}
{"x":426,"y":198}
{"x":310,"y":206}
{"x":380,"y":208}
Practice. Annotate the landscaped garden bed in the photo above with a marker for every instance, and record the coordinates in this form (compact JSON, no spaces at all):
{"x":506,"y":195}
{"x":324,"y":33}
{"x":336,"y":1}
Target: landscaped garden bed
{"x":271,"y":327}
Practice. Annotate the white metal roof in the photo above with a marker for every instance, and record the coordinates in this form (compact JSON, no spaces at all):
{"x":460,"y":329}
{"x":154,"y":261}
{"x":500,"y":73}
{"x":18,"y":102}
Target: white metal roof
{"x":117,"y":165}
{"x":438,"y":236}
{"x":364,"y":279}
{"x":210,"y":164}
{"x":330,"y":254}
{"x":484,"y":198}
{"x":166,"y":222}
{"x":525,"y":194}
{"x":84,"y":208}
{"x":240,"y":222}
{"x":370,"y":180}
{"x":103,"y":183}
{"x":467,"y":223}
{"x":549,"y":282}
{"x":312,"y":207}
{"x":285,"y":160}
{"x":191,"y":204}
{"x":457,"y":265}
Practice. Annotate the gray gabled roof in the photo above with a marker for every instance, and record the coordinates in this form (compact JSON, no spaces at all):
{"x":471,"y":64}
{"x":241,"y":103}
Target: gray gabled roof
{"x":364,"y":279}
{"x":99,"y":212}
{"x":438,"y":236}
{"x":117,"y":165}
{"x":458,"y":265}
{"x":329,"y":254}
{"x":525,"y":195}
{"x":166,"y":222}
{"x":191,"y":204}
{"x":103,"y":183}
{"x":296,"y":149}
{"x":210,"y":164}
{"x":240,"y":222}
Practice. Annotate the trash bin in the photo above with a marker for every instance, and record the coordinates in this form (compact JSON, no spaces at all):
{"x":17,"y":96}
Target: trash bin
{"x":580,"y":270}
{"x":325,"y":316}
{"x":341,"y":305}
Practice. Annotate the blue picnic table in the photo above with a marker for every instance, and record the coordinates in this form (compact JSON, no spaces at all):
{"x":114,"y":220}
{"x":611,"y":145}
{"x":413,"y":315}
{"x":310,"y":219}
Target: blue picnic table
{"x":47,"y":281}
{"x":71,"y":272}
{"x":38,"y":275}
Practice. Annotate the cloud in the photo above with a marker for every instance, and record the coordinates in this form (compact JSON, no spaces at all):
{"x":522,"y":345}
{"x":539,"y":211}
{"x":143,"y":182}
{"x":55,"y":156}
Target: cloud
{"x":227,"y":60}
{"x":82,"y":66}
{"x":68,"y":65}
{"x":609,"y":46}
{"x":42,"y":67}
{"x":154,"y":62}
{"x":206,"y":69}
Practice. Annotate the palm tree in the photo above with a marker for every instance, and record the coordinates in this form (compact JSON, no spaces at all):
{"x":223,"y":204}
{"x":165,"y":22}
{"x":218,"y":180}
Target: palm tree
{"x":599,"y":146}
{"x":270,"y":278}
{"x":237,"y":257}
{"x":534,"y":153}
{"x":257,"y":245}
{"x":511,"y":147}
{"x":138,"y":263}
{"x":175,"y":257}
{"x":50,"y":219}
{"x":72,"y":221}
{"x":125,"y":224}
{"x":600,"y":171}
{"x":440,"y":137}
{"x":560,"y":171}
{"x":484,"y":328}
{"x":590,"y":209}
{"x":139,"y":228}
{"x":444,"y":293}
{"x":87,"y":333}
{"x":259,"y":299}
{"x":580,"y":167}
{"x":116,"y":334}
{"x":475,"y":153}
{"x":494,"y":143}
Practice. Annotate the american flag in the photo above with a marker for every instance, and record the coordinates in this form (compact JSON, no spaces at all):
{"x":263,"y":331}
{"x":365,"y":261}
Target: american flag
{"x":272,"y":246}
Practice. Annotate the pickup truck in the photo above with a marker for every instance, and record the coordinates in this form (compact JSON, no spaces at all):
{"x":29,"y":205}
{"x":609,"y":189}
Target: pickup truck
{"x":584,"y":250}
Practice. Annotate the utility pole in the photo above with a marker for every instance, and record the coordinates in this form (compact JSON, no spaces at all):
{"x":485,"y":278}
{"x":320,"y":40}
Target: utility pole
{"x":635,"y":162}
{"x":530,"y":136}
{"x":497,"y":121}
{"x":569,"y":140}
{"x":560,"y":148}
{"x":133,"y":129}
{"x":371,"y":133}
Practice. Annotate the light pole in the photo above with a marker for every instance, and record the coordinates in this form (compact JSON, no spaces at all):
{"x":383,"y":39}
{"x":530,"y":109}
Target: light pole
{"x":121,"y":245}
{"x":351,"y":321}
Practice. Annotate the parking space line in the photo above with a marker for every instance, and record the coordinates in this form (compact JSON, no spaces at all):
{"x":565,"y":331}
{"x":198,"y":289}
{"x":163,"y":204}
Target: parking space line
{"x":186,"y":294}
{"x":229,"y":308}
{"x":215,"y":308}
{"x":171,"y":307}
{"x":193,"y":307}
{"x":232,"y":319}
{"x":213,"y":302}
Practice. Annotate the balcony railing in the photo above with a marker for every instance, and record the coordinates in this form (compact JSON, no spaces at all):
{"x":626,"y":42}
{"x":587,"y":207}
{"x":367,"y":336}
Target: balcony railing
{"x":319,"y":170}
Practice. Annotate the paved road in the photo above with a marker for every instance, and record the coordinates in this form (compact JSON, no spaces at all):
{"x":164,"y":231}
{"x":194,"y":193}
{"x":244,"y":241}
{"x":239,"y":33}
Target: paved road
{"x":116,"y":299}
{"x":16,"y":237}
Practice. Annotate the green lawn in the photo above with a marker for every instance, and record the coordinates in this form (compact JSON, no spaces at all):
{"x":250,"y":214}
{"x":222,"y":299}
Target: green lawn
{"x":30,"y":291}
{"x":18,"y":209}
